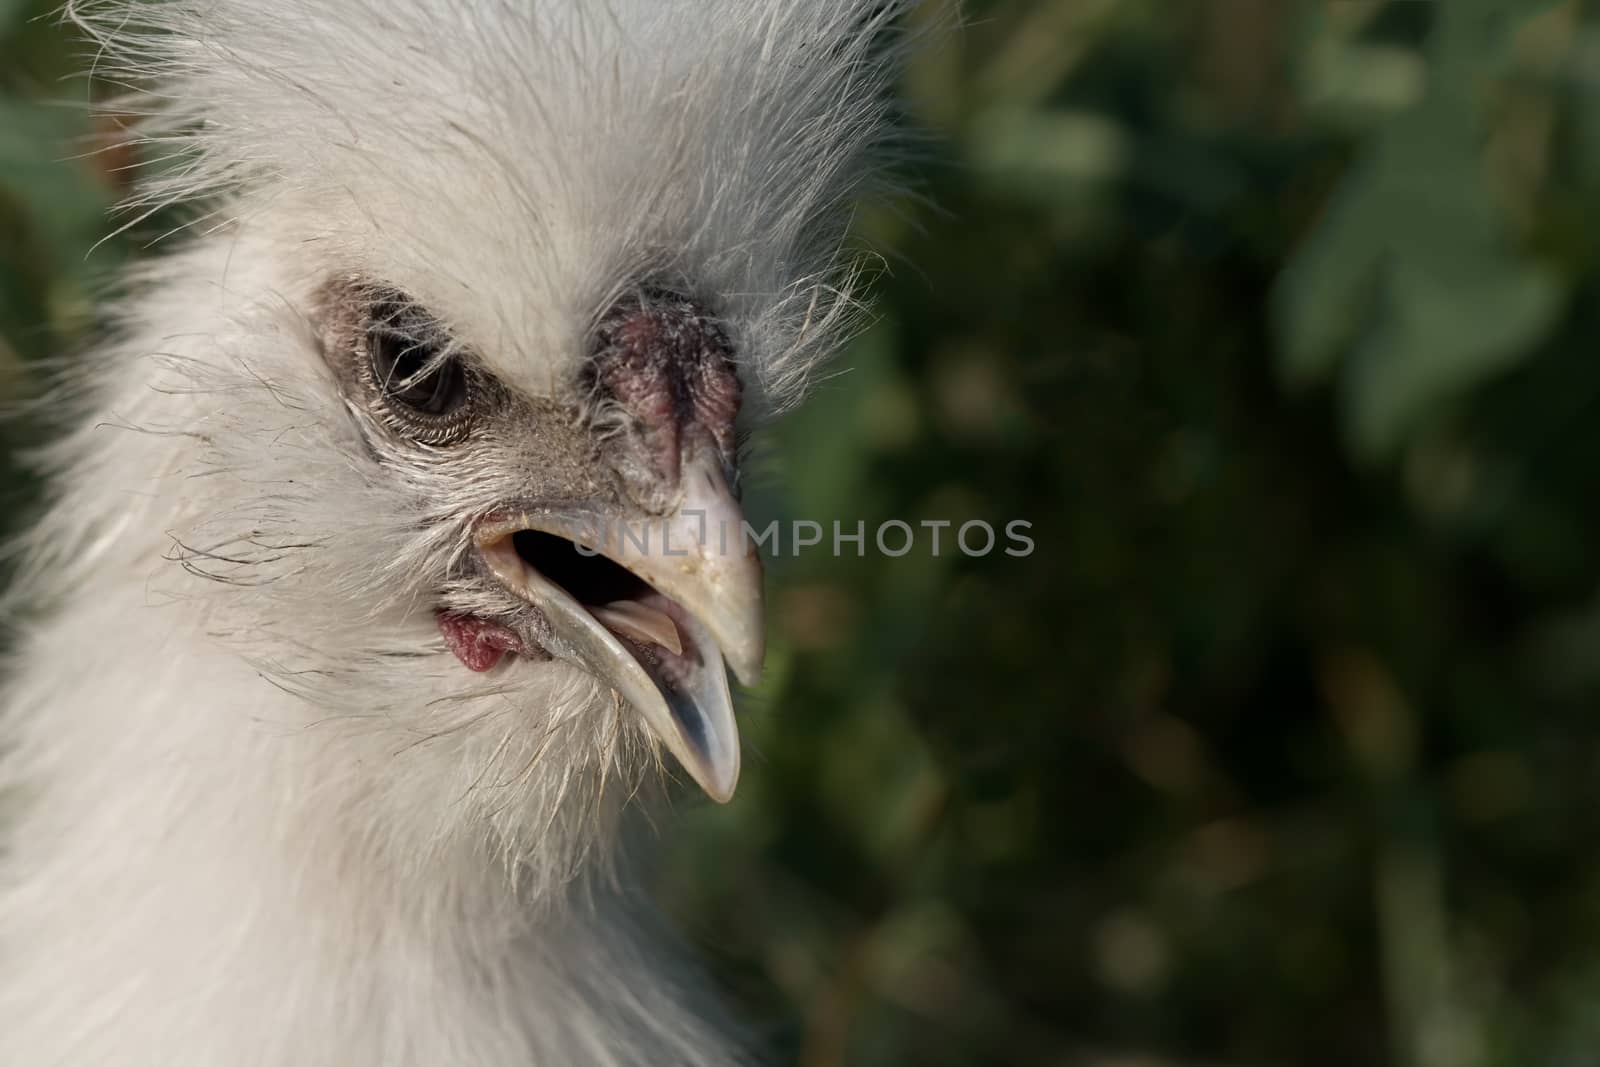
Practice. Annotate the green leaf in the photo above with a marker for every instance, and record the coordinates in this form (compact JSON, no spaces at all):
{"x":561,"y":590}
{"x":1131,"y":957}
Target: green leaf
{"x":59,"y":209}
{"x":11,"y":14}
{"x":64,"y":202}
{"x":1444,"y":331}
{"x":1412,"y":288}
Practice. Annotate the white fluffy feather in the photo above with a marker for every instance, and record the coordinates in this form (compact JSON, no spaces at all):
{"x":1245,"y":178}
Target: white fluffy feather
{"x":257,"y":815}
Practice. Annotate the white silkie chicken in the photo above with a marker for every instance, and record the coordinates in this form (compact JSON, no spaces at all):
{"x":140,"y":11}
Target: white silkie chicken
{"x":318,"y":727}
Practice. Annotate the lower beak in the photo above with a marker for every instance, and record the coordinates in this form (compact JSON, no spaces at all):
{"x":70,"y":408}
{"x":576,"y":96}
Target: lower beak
{"x":664,"y":650}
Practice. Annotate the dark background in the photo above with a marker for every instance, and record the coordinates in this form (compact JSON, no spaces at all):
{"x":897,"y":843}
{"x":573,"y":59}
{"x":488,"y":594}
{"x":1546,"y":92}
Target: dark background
{"x":1278,"y":321}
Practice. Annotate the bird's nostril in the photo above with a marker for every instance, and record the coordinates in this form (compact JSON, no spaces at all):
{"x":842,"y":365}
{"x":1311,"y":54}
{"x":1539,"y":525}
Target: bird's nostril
{"x":668,"y":363}
{"x":588,"y":579}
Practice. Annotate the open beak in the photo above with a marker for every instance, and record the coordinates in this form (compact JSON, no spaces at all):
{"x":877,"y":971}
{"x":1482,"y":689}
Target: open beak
{"x":659,"y":638}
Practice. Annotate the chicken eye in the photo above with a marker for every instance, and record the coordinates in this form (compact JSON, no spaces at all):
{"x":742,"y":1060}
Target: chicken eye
{"x":412,"y":362}
{"x":414,"y":376}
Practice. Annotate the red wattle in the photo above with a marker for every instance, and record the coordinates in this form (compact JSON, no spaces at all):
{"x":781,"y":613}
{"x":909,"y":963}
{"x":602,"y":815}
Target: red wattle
{"x":477,"y":643}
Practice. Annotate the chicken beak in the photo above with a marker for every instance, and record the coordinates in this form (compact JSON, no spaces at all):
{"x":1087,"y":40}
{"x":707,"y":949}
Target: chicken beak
{"x":706,"y":609}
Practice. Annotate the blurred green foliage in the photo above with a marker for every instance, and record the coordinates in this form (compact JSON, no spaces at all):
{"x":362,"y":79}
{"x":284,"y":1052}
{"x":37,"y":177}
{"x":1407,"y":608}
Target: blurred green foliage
{"x":1277,"y":320}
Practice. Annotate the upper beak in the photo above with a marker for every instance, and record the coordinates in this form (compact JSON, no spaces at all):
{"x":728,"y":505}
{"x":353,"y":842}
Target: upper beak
{"x":706,"y":608}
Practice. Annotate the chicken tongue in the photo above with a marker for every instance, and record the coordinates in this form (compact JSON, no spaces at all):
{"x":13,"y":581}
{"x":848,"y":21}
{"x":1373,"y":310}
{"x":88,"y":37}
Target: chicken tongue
{"x":640,"y":622}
